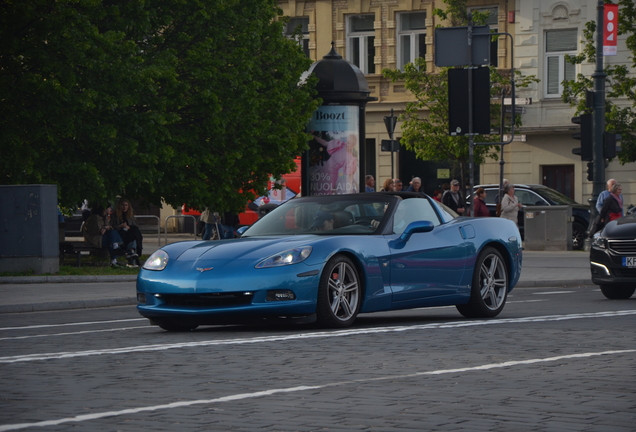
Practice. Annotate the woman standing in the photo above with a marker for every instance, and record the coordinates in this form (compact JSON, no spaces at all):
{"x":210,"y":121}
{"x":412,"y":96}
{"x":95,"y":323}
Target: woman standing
{"x":612,"y":207}
{"x":479,"y":205}
{"x":510,"y":205}
{"x":388,"y":185}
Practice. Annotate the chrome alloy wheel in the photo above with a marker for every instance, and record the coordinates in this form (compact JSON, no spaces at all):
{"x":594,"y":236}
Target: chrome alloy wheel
{"x":493,"y":279}
{"x":344,"y":291}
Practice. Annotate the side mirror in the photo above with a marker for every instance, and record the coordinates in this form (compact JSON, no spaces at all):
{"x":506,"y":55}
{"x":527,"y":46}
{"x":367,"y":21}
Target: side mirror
{"x":416,"y":227}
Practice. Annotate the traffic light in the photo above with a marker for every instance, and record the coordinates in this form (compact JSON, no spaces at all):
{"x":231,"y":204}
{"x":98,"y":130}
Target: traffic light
{"x":585,"y":135}
{"x":590,"y":171}
{"x":609,"y":145}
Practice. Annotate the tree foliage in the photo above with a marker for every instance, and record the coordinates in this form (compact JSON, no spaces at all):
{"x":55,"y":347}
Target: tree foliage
{"x":620,"y":83}
{"x":425,"y":120}
{"x":192,"y":102}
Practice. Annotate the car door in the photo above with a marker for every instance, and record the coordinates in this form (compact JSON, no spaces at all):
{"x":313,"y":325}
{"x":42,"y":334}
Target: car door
{"x":428,"y":264}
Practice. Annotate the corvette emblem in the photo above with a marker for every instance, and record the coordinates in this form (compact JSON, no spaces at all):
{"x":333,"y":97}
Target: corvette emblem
{"x":204,"y":269}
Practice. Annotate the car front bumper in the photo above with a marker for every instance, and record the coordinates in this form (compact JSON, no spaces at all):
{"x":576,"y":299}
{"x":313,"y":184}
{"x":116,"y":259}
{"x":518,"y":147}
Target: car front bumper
{"x":610,"y":268}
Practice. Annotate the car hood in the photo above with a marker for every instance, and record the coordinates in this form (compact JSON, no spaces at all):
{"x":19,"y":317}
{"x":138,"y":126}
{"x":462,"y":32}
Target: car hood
{"x":235,"y":249}
{"x":623,"y":228}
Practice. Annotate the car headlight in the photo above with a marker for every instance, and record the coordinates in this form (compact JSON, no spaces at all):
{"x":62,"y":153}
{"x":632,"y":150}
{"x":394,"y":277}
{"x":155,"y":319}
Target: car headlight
{"x":291,"y":256}
{"x":157,"y":261}
{"x":599,"y":241}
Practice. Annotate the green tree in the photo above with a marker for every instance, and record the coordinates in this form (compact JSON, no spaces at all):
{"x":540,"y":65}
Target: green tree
{"x":425,"y":120}
{"x":192,"y":102}
{"x":620,"y":83}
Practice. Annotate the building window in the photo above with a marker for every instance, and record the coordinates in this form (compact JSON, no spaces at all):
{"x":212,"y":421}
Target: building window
{"x":411,"y":37}
{"x":493,"y":22}
{"x":360,"y":42}
{"x":558,"y":43}
{"x":302,"y":25}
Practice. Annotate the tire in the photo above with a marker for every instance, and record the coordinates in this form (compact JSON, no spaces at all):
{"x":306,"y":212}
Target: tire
{"x":578,"y":236}
{"x":339,"y":293}
{"x":172,"y":327}
{"x":490,"y":286}
{"x":618,"y":291}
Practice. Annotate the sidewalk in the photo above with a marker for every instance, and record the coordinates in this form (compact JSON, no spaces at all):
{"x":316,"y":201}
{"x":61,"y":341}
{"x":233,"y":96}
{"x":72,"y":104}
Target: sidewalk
{"x":41,"y":293}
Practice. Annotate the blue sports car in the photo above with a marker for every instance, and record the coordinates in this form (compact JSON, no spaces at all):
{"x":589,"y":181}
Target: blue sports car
{"x":329,"y":258}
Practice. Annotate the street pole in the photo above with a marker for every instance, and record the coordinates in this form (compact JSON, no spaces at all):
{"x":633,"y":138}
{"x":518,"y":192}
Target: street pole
{"x":390,"y":122}
{"x":598,"y":116}
{"x":471,"y":141}
{"x":392,"y":144}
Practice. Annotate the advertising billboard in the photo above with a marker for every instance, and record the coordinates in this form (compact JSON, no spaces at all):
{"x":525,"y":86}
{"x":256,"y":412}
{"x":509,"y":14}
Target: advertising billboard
{"x":334,"y":151}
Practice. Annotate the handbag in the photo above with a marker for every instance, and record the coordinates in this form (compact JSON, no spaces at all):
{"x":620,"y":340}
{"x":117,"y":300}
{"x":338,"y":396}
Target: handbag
{"x":614,"y":216}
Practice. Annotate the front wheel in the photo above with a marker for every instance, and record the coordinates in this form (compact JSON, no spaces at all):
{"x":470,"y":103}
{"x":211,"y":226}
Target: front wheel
{"x":618,"y":292}
{"x":490,"y":286}
{"x":339,"y":293}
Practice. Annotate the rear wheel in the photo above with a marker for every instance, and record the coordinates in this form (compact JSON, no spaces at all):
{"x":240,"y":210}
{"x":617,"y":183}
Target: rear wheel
{"x":490,"y":286}
{"x":618,"y":291}
{"x":339,"y":293}
{"x":578,"y":236}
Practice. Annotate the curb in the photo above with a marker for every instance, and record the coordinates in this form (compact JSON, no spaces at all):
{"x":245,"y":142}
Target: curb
{"x":67,"y":305}
{"x":66,"y":279}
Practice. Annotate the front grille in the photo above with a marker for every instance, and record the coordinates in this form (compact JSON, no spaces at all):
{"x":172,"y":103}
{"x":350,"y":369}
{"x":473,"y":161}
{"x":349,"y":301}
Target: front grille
{"x":210,"y":300}
{"x":625,"y":272}
{"x":622,"y":247}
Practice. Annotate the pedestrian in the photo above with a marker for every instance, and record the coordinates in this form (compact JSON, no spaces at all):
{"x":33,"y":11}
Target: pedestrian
{"x":605,"y":194}
{"x":123,"y":220}
{"x":510,"y":205}
{"x":98,"y":233}
{"x":453,"y":199}
{"x":612,"y":208}
{"x":437,"y":195}
{"x":209,"y":219}
{"x":416,"y":185}
{"x":497,"y":198}
{"x":397,"y":185}
{"x":479,"y":204}
{"x":388,"y":185}
{"x":369,"y":182}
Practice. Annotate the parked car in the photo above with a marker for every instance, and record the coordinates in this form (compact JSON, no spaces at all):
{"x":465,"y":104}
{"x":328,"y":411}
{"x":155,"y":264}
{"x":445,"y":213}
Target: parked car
{"x":531,"y":195}
{"x":613,"y":257}
{"x":377,"y":252}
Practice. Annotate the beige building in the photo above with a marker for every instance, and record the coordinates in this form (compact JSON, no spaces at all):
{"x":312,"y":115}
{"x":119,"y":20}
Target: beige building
{"x":378,"y":34}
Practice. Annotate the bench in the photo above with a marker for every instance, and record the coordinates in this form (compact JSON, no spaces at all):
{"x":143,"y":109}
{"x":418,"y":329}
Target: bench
{"x":77,"y":247}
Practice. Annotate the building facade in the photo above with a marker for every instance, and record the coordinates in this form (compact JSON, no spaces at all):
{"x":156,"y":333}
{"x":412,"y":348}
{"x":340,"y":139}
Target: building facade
{"x":379,"y":34}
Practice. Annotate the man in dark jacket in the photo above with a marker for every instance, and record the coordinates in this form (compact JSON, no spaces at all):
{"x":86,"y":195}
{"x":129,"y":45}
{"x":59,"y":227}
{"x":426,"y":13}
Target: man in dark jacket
{"x":453,"y":199}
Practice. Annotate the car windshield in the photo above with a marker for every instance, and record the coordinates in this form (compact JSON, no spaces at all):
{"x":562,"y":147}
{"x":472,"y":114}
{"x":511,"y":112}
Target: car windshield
{"x":556,"y":197}
{"x":321,"y":215}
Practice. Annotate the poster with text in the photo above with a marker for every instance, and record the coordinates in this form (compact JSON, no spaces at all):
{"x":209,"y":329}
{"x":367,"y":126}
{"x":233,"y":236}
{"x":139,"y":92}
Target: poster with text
{"x":334,"y":151}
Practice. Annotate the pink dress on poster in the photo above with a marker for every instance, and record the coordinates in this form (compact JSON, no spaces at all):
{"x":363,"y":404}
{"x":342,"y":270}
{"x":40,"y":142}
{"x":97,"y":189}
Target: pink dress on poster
{"x":342,"y":164}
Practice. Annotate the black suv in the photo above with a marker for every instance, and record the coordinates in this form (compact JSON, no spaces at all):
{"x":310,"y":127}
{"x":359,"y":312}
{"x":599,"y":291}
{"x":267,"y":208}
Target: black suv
{"x":531,"y":195}
{"x":613,"y":257}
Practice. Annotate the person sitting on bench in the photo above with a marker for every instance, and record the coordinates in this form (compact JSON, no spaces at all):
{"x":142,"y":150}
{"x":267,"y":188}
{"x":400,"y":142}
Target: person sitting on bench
{"x":99,"y":234}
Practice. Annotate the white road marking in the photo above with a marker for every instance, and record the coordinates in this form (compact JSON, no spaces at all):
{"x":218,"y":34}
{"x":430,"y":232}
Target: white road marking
{"x":525,"y":301}
{"x":554,"y":292}
{"x":71,"y":324}
{"x":148,"y":327}
{"x":73,"y":333}
{"x":271,"y":392}
{"x":315,"y":335}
